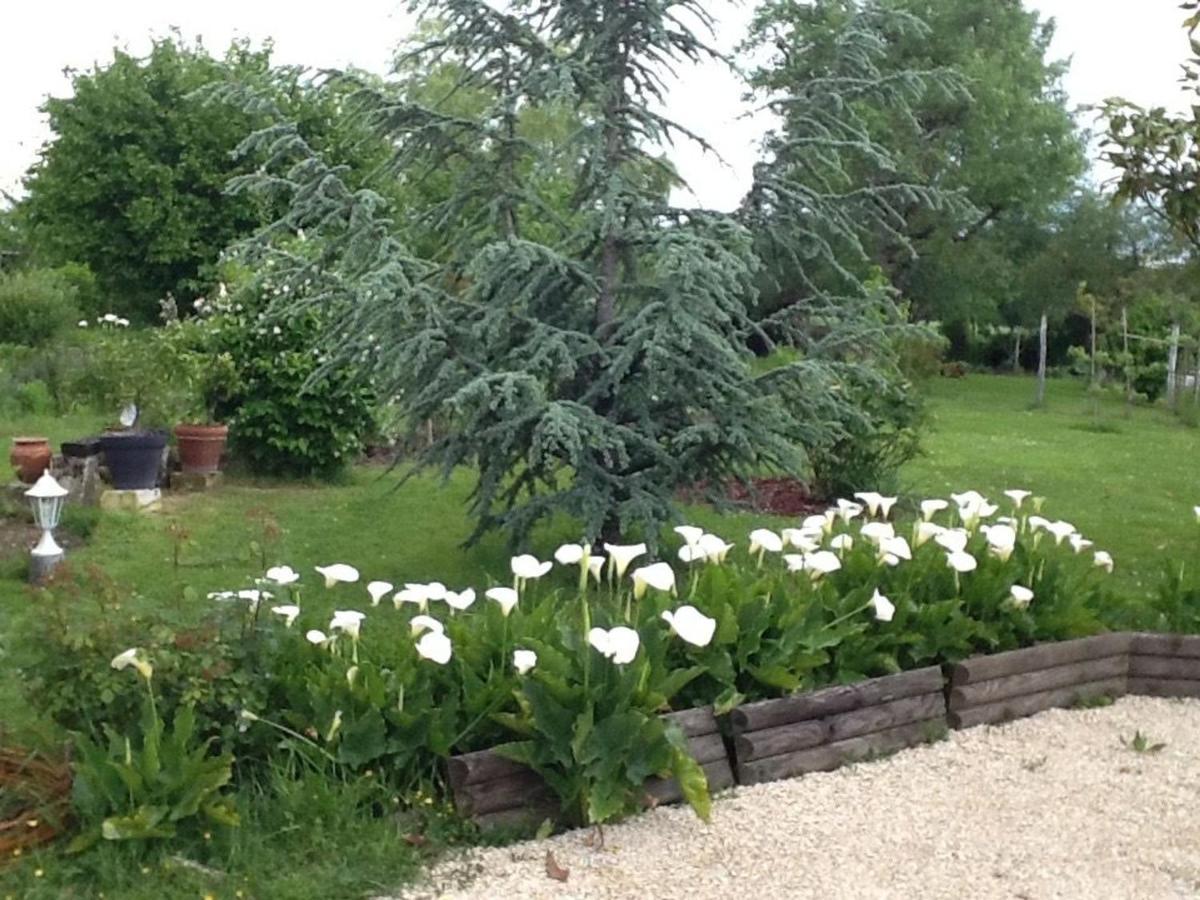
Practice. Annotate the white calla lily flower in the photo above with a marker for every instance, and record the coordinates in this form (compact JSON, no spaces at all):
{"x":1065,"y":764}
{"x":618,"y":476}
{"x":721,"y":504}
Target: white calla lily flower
{"x":620,"y":644}
{"x":507,"y":598}
{"x":823,"y":562}
{"x":875,"y":532}
{"x":930,"y":507}
{"x":1017,"y":496}
{"x":434,"y":590}
{"x":436,"y":647}
{"x":1078,"y":542}
{"x":378,"y":590}
{"x":570,"y":554}
{"x":883,"y":607}
{"x":821,"y":523}
{"x":926,"y":531}
{"x":338,"y":573}
{"x":714,"y":548}
{"x":764,"y":539}
{"x":1020,"y":595}
{"x":524,"y":660}
{"x":282,"y":575}
{"x":794,"y":562}
{"x":460,"y":600}
{"x":1103,"y":559}
{"x":621,"y":555}
{"x":659,"y":576}
{"x":417,"y":624}
{"x":596,"y":567}
{"x":961,"y":561}
{"x":347,"y":621}
{"x":133,"y":657}
{"x":953,"y":540}
{"x":1061,"y":530}
{"x":412,"y":593}
{"x":895,"y":547}
{"x":1001,"y":539}
{"x":690,"y":533}
{"x":802,"y":539}
{"x":847,"y":510}
{"x":314,"y":636}
{"x":843,"y":543}
{"x":527,"y":567}
{"x":968,"y":498}
{"x":691,"y":625}
{"x":289,"y":612}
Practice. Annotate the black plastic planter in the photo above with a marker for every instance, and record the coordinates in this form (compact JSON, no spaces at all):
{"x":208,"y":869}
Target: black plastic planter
{"x":133,"y":458}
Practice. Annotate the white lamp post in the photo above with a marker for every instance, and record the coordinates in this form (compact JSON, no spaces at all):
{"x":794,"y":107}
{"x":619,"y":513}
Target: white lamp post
{"x":47,"y":498}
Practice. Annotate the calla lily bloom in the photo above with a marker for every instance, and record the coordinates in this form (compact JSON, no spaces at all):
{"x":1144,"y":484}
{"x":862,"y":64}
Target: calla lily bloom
{"x":822,"y":523}
{"x":1020,"y":595}
{"x":413,"y":593}
{"x":570,"y":554}
{"x":877,"y":504}
{"x":930,"y":507}
{"x":1002,"y":540}
{"x":841,"y":542}
{"x":313,"y":636}
{"x":884,"y":608}
{"x":972,"y":513}
{"x":1104,"y":560}
{"x":952,"y":539}
{"x":895,"y":547}
{"x":524,"y":660}
{"x":289,"y":613}
{"x":1017,"y":496}
{"x":621,"y":555}
{"x":596,"y":566}
{"x":282,"y":575}
{"x":968,"y":498}
{"x":961,"y":561}
{"x":460,"y":600}
{"x":424,"y":623}
{"x":378,"y":590}
{"x":802,"y":539}
{"x":714,"y":548}
{"x":821,"y":563}
{"x":435,"y":647}
{"x":619,"y":644}
{"x":434,"y":590}
{"x":507,"y":598}
{"x":1060,"y":530}
{"x":926,"y":531}
{"x":526,"y":567}
{"x":659,"y":576}
{"x":1078,"y":542}
{"x":764,"y":539}
{"x":347,"y":621}
{"x":133,"y":657}
{"x":794,"y":562}
{"x":690,"y":533}
{"x":338,"y":573}
{"x":1038,"y":523}
{"x":876,"y":532}
{"x":254,"y":597}
{"x":691,"y":625}
{"x":847,"y":510}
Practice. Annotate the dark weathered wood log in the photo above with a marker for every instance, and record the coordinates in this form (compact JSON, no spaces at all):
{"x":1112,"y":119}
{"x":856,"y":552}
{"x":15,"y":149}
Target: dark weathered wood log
{"x":1018,"y":707}
{"x":480,"y":766}
{"x":502,"y":793}
{"x":694,"y":722}
{"x":523,"y":817}
{"x":1043,"y":656}
{"x":828,"y":701}
{"x":708,"y":748}
{"x":1185,"y":668}
{"x":1164,"y":687}
{"x":784,"y":739}
{"x":996,"y":689}
{"x":666,"y":790}
{"x":830,"y":756}
{"x":883,"y":716}
{"x":1148,"y":644}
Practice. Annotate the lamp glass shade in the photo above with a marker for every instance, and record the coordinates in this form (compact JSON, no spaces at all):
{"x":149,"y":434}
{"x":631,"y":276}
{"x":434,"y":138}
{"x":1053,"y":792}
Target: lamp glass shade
{"x":47,"y":497}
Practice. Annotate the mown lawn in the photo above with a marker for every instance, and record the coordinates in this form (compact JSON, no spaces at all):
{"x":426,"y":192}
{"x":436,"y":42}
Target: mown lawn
{"x":1126,"y":478}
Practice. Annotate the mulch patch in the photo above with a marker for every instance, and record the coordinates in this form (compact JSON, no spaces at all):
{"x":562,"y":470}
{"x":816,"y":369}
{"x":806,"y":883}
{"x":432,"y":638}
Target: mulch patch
{"x":35,"y":800}
{"x":773,"y":496}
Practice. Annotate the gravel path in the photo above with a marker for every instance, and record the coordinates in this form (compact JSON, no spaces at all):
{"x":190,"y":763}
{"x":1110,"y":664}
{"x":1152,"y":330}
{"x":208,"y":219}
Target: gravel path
{"x":1052,"y":806}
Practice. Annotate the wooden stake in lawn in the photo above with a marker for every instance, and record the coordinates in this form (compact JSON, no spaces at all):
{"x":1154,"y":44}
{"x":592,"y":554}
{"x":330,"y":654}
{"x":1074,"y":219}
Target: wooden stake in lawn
{"x":1128,"y":365}
{"x":1041,"y":376}
{"x":1019,"y":331}
{"x":1093,"y":298}
{"x":1172,"y":366}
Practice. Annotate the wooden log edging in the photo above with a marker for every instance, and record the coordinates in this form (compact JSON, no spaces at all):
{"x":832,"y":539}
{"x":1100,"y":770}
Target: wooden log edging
{"x":821,"y":730}
{"x":495,"y":792}
{"x":1164,"y":665}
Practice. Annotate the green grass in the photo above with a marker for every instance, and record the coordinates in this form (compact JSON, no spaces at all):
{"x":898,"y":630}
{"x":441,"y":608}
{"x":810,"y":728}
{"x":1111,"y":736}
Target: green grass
{"x":1126,"y":478}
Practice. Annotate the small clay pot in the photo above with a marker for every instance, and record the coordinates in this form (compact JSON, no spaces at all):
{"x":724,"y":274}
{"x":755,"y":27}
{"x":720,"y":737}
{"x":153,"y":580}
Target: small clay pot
{"x":201,"y":446}
{"x":30,"y":457}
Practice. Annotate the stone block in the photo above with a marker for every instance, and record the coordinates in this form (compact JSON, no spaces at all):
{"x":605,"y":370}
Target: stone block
{"x":196,"y":481}
{"x":132,"y":501}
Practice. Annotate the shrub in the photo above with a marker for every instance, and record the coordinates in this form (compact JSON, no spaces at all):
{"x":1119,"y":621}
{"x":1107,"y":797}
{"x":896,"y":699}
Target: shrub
{"x":35,"y":306}
{"x":287,"y":415}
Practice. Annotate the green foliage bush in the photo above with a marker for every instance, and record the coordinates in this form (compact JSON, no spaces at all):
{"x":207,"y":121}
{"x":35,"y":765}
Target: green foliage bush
{"x":36,"y":305}
{"x":288,"y":414}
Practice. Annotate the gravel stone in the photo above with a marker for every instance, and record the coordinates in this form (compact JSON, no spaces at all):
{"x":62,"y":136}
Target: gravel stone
{"x":1052,"y":806}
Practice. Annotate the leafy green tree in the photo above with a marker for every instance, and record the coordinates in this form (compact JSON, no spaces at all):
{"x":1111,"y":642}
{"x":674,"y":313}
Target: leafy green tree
{"x":587,"y":364}
{"x":132,"y":182}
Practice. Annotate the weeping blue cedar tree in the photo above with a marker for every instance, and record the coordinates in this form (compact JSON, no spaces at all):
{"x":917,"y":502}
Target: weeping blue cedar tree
{"x":591,"y":373}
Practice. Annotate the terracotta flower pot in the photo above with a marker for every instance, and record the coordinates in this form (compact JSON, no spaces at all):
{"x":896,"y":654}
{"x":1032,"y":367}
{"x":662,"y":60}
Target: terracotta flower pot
{"x":30,"y":457}
{"x":201,"y":446}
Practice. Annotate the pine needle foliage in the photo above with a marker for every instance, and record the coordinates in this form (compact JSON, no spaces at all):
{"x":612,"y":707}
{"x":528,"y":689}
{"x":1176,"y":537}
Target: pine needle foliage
{"x":590,"y":372}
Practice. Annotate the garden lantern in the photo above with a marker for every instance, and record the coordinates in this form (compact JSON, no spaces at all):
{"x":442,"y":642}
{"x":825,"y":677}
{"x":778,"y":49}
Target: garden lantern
{"x":46,"y":497}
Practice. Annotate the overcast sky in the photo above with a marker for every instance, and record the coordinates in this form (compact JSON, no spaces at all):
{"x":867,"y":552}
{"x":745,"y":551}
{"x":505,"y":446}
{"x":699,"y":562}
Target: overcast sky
{"x":1130,"y":48}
